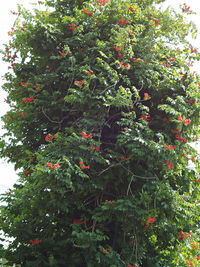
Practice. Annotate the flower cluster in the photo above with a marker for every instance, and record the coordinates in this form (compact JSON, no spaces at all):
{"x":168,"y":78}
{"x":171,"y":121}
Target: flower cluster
{"x":145,"y":117}
{"x":102,"y":2}
{"x":169,"y":147}
{"x":186,"y":9}
{"x":79,"y":83}
{"x":72,"y":27}
{"x":50,"y":137}
{"x":184,"y":120}
{"x":87,"y":12}
{"x":51,"y":166}
{"x":149,"y":221}
{"x":29,"y":99}
{"x":184,"y":235}
{"x":84,"y":135}
{"x":181,"y":139}
{"x":123,"y":22}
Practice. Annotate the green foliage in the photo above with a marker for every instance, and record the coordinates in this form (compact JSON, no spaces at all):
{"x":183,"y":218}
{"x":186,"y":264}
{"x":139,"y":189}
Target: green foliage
{"x":103,"y":106}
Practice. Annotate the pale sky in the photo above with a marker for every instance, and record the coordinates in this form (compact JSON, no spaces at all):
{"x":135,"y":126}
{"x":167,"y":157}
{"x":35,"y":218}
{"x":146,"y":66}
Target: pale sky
{"x":8,"y":175}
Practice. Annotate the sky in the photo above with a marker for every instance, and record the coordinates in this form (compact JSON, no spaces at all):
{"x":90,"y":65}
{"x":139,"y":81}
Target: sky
{"x":8,"y":174}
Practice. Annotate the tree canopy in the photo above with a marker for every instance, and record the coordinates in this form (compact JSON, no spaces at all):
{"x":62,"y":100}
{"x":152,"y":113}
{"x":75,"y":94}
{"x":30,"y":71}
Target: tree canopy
{"x":103,"y":106}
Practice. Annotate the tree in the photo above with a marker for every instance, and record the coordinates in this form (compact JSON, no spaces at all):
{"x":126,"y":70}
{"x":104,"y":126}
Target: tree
{"x":103,"y":105}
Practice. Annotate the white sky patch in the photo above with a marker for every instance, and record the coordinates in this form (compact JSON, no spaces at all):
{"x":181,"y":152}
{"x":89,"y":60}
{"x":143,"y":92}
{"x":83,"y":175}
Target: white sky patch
{"x":8,"y":175}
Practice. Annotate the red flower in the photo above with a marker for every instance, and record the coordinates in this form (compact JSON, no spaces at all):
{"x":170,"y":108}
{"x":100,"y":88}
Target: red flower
{"x":197,"y":258}
{"x":186,"y":9}
{"x":147,"y":96}
{"x":84,"y":135}
{"x":146,"y":226}
{"x":26,"y":100}
{"x":120,"y":55}
{"x":192,"y":102}
{"x":192,"y":50}
{"x":123,"y":158}
{"x":190,"y":263}
{"x":169,"y":164}
{"x":175,"y":131}
{"x":78,"y":221}
{"x":23,"y":84}
{"x":169,"y":147}
{"x":198,"y":180}
{"x":50,"y":137}
{"x":123,"y":22}
{"x":198,"y":85}
{"x":185,"y":122}
{"x":145,"y":117}
{"x":35,"y":241}
{"x":51,"y":166}
{"x":151,"y":220}
{"x":183,"y":155}
{"x":156,"y":22}
{"x":181,"y":139}
{"x":37,"y":87}
{"x":172,"y":59}
{"x":132,"y":265}
{"x":21,"y":113}
{"x":48,"y":164}
{"x":72,"y":27}
{"x":82,"y":166}
{"x":56,"y":166}
{"x":102,"y":2}
{"x":87,"y":12}
{"x":135,"y":59}
{"x":95,"y":148}
{"x":79,"y":83}
{"x":62,"y":53}
{"x":132,"y":9}
{"x":89,"y":73}
{"x":26,"y":173}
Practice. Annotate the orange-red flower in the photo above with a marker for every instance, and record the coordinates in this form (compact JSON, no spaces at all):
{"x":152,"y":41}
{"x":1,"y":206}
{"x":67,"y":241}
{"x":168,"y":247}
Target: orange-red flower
{"x":35,"y":241}
{"x":84,"y":135}
{"x":190,"y":263}
{"x":181,"y":139}
{"x":175,"y":130}
{"x":123,"y":22}
{"x":169,"y":147}
{"x":79,"y":83}
{"x":29,"y":99}
{"x":102,"y":2}
{"x":50,"y":137}
{"x":87,"y":12}
{"x":78,"y":221}
{"x":62,"y":53}
{"x":94,"y":148}
{"x":89,"y":73}
{"x":169,"y":164}
{"x":192,"y":102}
{"x":72,"y":27}
{"x":184,"y":120}
{"x":156,"y":22}
{"x":147,"y":96}
{"x":145,"y":117}
{"x":23,"y":84}
{"x":82,"y":166}
{"x":151,"y":220}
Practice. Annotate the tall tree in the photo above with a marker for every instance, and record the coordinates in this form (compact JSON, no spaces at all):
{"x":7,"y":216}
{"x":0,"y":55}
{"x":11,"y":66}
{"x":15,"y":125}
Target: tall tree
{"x":103,"y":105}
